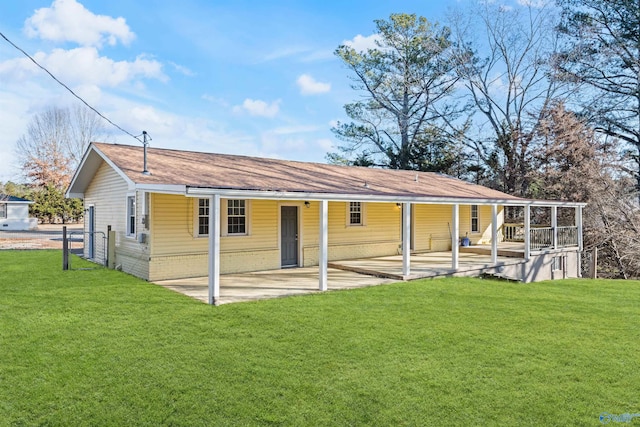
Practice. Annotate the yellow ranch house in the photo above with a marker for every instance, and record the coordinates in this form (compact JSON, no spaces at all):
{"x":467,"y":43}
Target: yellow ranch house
{"x":164,"y":214}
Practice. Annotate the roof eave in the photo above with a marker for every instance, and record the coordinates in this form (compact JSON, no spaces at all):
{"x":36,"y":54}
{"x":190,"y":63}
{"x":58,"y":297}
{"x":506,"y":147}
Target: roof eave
{"x":192,"y":191}
{"x":87,"y":169}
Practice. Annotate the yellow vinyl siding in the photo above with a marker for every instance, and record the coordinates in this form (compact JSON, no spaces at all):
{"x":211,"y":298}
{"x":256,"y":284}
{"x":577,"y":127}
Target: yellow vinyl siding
{"x":432,"y":225}
{"x":177,"y":251}
{"x":379,"y":236}
{"x":174,"y":227}
{"x":381,"y":224}
{"x":485,"y":225}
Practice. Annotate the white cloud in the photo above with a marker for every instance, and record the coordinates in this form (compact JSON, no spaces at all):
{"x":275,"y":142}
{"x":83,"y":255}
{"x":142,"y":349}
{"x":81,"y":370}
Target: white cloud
{"x":361,"y":43}
{"x":170,"y":130}
{"x":310,"y":86}
{"x":83,"y":66}
{"x":257,"y":107}
{"x":68,"y":20}
{"x":214,"y":100}
{"x":182,"y":69}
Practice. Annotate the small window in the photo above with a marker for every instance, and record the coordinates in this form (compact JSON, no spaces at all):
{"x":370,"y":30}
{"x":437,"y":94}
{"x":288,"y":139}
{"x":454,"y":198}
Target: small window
{"x":3,"y":210}
{"x":203,"y":217}
{"x":236,"y":217}
{"x":475,"y":224}
{"x":355,"y":213}
{"x":131,"y":215}
{"x":557,"y":263}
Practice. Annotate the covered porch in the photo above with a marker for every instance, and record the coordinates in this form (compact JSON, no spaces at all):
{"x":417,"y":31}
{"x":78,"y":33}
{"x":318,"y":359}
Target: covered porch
{"x":347,"y":274}
{"x":532,"y":238}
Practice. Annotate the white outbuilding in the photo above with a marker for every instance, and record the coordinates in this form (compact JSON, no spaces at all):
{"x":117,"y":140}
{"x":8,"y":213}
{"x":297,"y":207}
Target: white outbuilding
{"x":14,"y":214}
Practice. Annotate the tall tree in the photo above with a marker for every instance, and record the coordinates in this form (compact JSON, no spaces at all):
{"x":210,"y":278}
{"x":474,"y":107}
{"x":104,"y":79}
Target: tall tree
{"x":503,"y":63}
{"x":575,"y":164}
{"x":405,"y":81}
{"x":602,"y":53}
{"x":50,"y":151}
{"x":54,"y":143}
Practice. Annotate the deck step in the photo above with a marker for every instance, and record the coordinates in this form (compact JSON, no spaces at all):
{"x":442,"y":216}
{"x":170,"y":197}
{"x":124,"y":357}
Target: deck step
{"x":374,"y":273}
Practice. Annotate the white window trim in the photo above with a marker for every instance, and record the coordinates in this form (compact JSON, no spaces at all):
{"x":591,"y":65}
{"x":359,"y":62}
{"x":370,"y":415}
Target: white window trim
{"x":363,"y":214}
{"x":224,"y":217}
{"x":5,"y":211}
{"x":558,"y":263}
{"x":196,"y":217}
{"x":471,"y":219}
{"x":128,"y":232}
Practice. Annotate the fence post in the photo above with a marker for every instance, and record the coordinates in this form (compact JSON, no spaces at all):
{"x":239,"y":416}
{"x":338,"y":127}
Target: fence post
{"x":65,"y":249}
{"x":594,"y":263}
{"x":111,"y":249}
{"x":108,"y":255}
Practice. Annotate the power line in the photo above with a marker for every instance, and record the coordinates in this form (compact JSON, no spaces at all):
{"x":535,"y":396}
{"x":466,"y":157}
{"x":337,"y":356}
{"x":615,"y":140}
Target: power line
{"x":68,"y":88}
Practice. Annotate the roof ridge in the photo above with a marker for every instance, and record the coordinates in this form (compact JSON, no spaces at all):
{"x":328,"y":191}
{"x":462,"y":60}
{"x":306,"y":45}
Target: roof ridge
{"x":245,"y":156}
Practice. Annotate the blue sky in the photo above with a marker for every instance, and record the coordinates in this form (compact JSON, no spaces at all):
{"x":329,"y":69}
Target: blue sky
{"x":244,"y":77}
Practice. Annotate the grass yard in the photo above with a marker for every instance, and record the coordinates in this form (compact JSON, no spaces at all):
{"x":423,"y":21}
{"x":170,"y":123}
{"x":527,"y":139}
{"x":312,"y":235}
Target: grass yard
{"x":99,"y":347}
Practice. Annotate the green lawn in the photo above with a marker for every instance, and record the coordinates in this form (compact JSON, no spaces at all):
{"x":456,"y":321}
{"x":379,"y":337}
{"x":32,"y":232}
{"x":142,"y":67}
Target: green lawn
{"x":99,"y":347}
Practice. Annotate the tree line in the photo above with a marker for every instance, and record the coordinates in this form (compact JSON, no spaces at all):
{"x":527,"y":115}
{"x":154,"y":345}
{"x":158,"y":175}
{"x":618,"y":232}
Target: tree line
{"x":539,"y":100}
{"x":49,"y":152}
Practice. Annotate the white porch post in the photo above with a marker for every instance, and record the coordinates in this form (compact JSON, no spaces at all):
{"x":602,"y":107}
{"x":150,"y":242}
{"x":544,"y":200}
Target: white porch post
{"x":554,"y":225}
{"x":406,"y":239}
{"x":214,"y":249}
{"x":494,"y":234}
{"x":580,"y":244}
{"x":323,"y":250}
{"x":455,"y":232}
{"x":579,"y":226}
{"x":527,"y":232}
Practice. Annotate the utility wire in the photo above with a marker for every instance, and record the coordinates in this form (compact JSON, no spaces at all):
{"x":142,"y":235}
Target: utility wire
{"x":67,"y":87}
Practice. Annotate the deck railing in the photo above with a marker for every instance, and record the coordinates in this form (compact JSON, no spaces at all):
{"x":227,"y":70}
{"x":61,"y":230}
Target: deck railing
{"x":513,"y":232}
{"x":541,"y":237}
{"x":567,"y":236}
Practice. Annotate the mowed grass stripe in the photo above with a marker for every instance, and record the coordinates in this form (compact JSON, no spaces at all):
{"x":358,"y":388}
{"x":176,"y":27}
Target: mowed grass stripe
{"x":99,"y":347}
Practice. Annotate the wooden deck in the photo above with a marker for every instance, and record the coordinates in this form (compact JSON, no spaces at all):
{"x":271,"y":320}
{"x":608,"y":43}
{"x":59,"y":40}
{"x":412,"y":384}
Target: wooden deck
{"x":471,"y":262}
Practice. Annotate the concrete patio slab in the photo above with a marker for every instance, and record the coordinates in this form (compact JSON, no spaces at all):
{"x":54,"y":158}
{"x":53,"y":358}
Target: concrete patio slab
{"x":349,"y":274}
{"x":270,"y":284}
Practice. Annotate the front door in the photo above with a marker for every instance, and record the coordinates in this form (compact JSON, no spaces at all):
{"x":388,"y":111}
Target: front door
{"x":92,"y":229}
{"x":289,"y":236}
